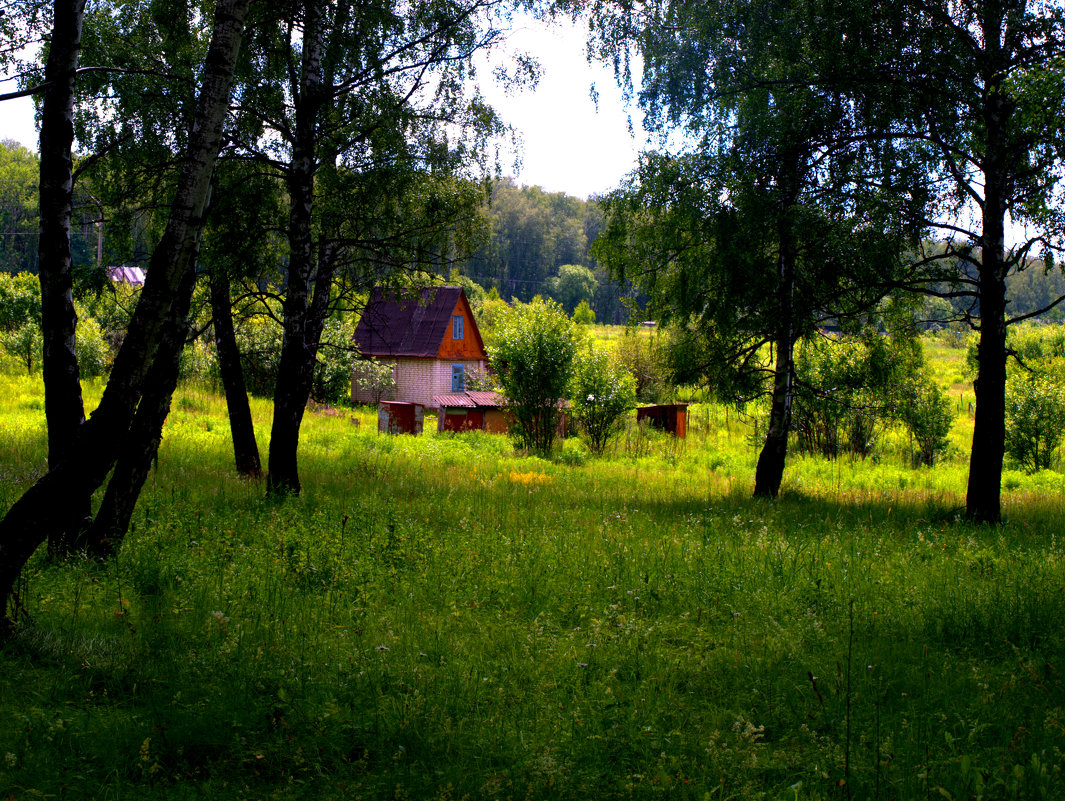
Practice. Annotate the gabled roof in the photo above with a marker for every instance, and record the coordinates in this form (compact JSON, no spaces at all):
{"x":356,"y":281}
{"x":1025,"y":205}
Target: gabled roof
{"x":407,"y":323}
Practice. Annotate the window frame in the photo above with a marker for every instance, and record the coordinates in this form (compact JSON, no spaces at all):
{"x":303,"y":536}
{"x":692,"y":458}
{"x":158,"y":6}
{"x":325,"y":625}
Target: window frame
{"x":457,"y":326}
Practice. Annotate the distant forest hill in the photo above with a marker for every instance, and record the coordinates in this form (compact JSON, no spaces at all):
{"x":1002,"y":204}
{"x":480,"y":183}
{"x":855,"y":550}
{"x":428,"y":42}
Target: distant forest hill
{"x":536,"y":238}
{"x":539,"y":244}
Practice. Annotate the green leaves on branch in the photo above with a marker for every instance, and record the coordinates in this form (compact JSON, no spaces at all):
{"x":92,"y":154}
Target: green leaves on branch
{"x":1035,"y":412}
{"x":601,"y":394}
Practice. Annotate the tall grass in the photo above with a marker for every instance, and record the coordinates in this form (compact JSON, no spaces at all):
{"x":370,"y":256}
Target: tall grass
{"x":439,"y":617}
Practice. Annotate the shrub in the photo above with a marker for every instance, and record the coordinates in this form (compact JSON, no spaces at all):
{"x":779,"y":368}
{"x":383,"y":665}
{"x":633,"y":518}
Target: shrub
{"x":533,"y":362}
{"x":1035,"y":410}
{"x":336,"y":362}
{"x":20,"y":328}
{"x":259,"y":341}
{"x":94,"y":351}
{"x":928,"y":414}
{"x":25,"y":344}
{"x":644,"y":357}
{"x":841,"y":403}
{"x":601,"y":394}
{"x":583,"y":314}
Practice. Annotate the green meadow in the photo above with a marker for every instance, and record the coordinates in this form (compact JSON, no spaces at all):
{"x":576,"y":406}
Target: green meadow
{"x":438,"y":617}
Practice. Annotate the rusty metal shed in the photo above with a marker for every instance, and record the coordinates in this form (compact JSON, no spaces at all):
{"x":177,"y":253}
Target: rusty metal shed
{"x":670,"y":417}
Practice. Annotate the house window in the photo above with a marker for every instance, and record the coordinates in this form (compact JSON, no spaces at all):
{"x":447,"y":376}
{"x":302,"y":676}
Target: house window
{"x":458,"y":377}
{"x":456,"y":326}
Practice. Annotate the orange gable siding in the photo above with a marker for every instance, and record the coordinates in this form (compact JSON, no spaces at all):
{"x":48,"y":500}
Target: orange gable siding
{"x":470,"y":346}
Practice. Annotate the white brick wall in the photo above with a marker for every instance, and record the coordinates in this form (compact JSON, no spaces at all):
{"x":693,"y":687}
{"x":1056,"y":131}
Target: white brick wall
{"x":418,"y":380}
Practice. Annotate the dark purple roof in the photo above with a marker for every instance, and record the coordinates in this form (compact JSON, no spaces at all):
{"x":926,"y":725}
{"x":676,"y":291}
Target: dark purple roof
{"x":406,"y":323}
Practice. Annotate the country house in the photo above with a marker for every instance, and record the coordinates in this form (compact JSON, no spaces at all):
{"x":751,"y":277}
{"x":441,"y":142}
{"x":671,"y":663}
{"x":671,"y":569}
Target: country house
{"x":430,"y":336}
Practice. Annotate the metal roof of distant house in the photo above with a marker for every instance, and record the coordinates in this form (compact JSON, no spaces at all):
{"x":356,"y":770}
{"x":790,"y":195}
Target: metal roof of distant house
{"x":407,"y":322}
{"x":124,"y":274}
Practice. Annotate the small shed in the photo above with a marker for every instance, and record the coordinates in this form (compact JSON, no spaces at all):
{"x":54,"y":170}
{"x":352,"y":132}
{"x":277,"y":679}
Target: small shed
{"x":470,"y":411}
{"x":671,"y":417}
{"x":394,"y":417}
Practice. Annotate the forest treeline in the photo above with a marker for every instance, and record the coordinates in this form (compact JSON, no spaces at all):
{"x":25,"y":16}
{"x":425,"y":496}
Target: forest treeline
{"x":530,"y":240}
{"x":525,"y":237}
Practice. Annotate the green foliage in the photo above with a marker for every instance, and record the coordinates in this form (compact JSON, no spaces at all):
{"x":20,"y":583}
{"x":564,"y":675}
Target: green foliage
{"x":20,"y":300}
{"x":25,"y":344}
{"x":583,"y":314}
{"x":855,"y":386}
{"x":112,"y":309}
{"x":644,"y":356}
{"x":488,"y":313}
{"x":601,"y":393}
{"x":573,"y":285}
{"x":19,"y":224}
{"x":844,"y":395}
{"x":535,"y":345}
{"x":336,"y":361}
{"x":375,"y":377}
{"x":928,"y":415}
{"x":541,"y":240}
{"x":20,"y":327}
{"x":1035,"y":420}
{"x":95,"y":353}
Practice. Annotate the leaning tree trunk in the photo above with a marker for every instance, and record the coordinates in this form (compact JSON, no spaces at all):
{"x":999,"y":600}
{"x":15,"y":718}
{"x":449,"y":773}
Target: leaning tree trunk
{"x":63,"y":406}
{"x":141,"y":445}
{"x":42,"y":509}
{"x":241,"y":426}
{"x":770,"y":470}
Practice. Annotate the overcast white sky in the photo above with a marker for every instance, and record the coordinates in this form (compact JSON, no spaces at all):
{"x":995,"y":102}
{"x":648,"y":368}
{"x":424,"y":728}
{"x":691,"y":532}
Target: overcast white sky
{"x":569,"y":145}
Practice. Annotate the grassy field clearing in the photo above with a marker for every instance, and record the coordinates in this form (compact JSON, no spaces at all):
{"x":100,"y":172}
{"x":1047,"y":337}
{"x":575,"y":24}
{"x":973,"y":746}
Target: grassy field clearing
{"x":439,"y":618}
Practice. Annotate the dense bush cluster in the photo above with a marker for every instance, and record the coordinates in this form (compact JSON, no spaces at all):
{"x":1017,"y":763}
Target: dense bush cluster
{"x":853,"y":388}
{"x":104,"y":315}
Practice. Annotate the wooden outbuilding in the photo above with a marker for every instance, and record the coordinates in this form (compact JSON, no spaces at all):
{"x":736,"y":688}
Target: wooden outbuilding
{"x":470,"y":411}
{"x":428,"y":334}
{"x":671,"y":417}
{"x":400,"y":418}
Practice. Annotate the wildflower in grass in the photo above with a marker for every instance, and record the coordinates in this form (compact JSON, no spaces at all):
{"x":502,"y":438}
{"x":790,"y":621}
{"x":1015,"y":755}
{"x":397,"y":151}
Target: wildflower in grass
{"x":531,"y":479}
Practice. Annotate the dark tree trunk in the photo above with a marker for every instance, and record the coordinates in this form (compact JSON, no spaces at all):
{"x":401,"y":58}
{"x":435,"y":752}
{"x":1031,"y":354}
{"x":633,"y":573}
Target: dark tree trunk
{"x":241,"y":427}
{"x":299,"y":347}
{"x":983,"y":495}
{"x":44,"y":507}
{"x":770,"y":470}
{"x":304,"y":321}
{"x":63,"y":406}
{"x":141,"y":446}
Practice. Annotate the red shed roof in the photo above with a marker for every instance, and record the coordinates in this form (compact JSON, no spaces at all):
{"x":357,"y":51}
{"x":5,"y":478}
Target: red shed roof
{"x":406,"y":323}
{"x":469,"y":399}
